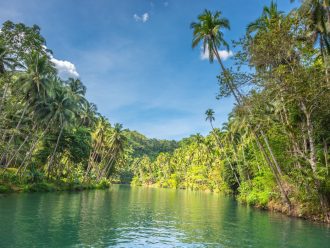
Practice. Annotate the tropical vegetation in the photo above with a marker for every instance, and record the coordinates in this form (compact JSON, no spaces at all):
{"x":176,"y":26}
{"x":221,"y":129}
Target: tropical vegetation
{"x":274,"y":150}
{"x":52,"y":137}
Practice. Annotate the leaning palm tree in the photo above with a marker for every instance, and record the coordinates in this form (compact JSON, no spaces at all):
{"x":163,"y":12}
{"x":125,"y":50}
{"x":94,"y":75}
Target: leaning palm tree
{"x":208,"y":31}
{"x":116,"y":149}
{"x":35,"y":83}
{"x":210,"y":117}
{"x":64,"y":108}
{"x":88,"y":114}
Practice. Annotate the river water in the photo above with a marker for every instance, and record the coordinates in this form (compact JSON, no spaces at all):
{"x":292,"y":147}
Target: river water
{"x":126,"y":216}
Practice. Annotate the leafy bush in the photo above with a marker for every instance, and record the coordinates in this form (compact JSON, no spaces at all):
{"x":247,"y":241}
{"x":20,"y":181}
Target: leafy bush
{"x":4,"y":189}
{"x":103,"y":184}
{"x":258,"y":191}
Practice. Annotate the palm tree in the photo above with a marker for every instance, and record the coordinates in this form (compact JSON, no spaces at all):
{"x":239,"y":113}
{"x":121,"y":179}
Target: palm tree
{"x":77,"y":90}
{"x":317,"y":13}
{"x":270,"y":15}
{"x":36,"y":80}
{"x":88,"y":115}
{"x":36,"y":85}
{"x":210,"y":117}
{"x":63,"y":108}
{"x":99,"y":137}
{"x":208,"y":31}
{"x":116,"y":149}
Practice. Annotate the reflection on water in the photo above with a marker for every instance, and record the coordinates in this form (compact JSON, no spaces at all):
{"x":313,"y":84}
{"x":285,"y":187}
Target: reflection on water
{"x":145,"y":217}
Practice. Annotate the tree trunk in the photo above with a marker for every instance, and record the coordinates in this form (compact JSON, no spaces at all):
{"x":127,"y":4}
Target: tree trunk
{"x":222,"y":147}
{"x":271,"y":153}
{"x":278,"y":179}
{"x":309,"y":127}
{"x":55,"y":149}
{"x":325,"y":152}
{"x":17,"y":151}
{"x":16,"y":128}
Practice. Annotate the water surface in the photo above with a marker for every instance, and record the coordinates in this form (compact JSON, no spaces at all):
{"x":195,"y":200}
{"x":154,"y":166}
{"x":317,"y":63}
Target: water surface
{"x":145,"y":217}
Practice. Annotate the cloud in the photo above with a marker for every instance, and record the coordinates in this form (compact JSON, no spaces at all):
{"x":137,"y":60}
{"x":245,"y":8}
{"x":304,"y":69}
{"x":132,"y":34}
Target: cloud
{"x":65,"y":68}
{"x":143,"y":18}
{"x":224,"y":54}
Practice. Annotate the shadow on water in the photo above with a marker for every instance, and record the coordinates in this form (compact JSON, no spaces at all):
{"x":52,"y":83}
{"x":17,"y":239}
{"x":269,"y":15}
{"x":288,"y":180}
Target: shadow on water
{"x":134,"y":216}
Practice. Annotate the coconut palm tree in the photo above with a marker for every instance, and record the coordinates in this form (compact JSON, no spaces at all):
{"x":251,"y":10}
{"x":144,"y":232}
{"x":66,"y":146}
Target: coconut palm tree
{"x":63,"y":108}
{"x":36,"y":85}
{"x":7,"y":62}
{"x":208,"y":31}
{"x":317,"y":14}
{"x":210,"y":117}
{"x":116,"y":149}
{"x":88,"y":114}
{"x":270,"y":15}
{"x":36,"y":80}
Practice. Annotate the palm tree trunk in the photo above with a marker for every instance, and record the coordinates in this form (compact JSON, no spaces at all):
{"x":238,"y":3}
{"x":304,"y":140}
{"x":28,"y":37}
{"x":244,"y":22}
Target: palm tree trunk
{"x":16,"y":128}
{"x":278,"y":168}
{"x":226,"y":156}
{"x":34,"y":143}
{"x":278,"y":179}
{"x":325,"y":152}
{"x":55,"y":149}
{"x":17,"y":151}
{"x":27,"y":156}
{"x":238,"y":96}
{"x":101,"y":174}
{"x":2,"y":102}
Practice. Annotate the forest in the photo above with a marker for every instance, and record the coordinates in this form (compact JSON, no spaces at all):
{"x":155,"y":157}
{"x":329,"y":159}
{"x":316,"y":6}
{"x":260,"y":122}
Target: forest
{"x":273,"y":152}
{"x":52,"y":137}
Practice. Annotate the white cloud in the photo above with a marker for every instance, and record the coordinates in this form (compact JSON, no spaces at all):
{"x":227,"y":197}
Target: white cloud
{"x":65,"y":68}
{"x":143,"y":18}
{"x":224,"y":54}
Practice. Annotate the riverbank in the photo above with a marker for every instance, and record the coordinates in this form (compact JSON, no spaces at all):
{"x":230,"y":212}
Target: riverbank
{"x":307,"y":211}
{"x":10,"y":182}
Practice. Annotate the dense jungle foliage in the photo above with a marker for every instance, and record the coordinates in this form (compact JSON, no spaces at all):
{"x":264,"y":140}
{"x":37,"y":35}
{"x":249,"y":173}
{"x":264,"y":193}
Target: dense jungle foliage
{"x":51,"y":136}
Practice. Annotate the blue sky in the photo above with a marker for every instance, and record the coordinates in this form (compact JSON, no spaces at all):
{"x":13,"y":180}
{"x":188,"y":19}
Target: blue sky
{"x":135,"y":56}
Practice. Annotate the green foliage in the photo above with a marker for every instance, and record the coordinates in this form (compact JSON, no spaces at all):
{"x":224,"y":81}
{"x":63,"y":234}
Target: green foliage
{"x":258,"y":191}
{"x":142,"y":146}
{"x":51,"y":134}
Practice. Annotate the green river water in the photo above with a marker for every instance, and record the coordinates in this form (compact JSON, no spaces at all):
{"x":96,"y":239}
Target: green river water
{"x":126,"y":216}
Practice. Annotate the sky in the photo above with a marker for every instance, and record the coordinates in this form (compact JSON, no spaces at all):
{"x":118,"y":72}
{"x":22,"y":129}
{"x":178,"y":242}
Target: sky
{"x":135,"y":56}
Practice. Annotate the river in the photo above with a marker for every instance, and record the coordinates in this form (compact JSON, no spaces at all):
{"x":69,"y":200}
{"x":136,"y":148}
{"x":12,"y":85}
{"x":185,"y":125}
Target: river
{"x":126,"y":216}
